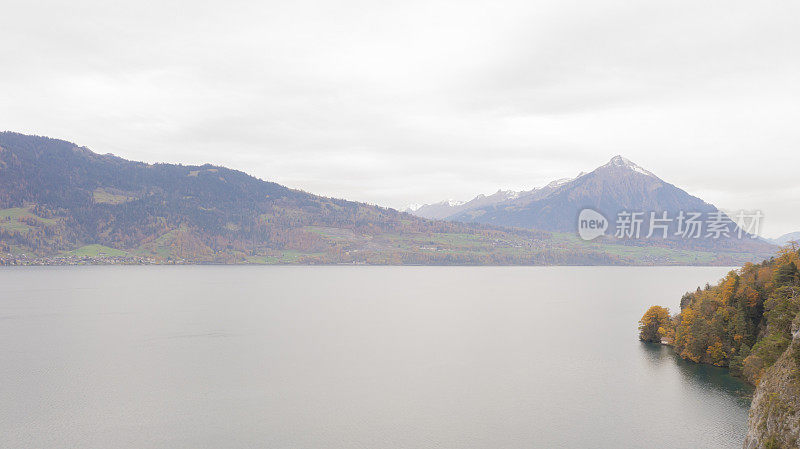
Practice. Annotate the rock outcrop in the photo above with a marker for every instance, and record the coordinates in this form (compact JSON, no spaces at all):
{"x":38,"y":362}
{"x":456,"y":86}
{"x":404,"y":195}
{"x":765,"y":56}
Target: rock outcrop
{"x":774,"y":421}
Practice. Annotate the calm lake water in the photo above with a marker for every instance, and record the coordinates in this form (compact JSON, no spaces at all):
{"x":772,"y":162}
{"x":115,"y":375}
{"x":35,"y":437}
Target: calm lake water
{"x":352,"y":357}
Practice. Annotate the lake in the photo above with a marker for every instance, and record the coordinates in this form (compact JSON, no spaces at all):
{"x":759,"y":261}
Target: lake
{"x":353,"y":357}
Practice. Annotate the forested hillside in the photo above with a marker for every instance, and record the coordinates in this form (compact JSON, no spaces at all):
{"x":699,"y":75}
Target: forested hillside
{"x":744,"y":323}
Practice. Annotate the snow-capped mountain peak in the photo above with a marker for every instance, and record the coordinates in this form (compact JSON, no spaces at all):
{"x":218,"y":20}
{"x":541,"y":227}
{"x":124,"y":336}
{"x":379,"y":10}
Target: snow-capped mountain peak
{"x":559,"y":182}
{"x":508,"y":194}
{"x":620,"y":161}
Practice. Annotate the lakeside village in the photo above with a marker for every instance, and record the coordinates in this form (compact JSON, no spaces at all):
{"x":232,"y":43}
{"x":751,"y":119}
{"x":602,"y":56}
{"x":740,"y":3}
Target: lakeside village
{"x":9,"y":259}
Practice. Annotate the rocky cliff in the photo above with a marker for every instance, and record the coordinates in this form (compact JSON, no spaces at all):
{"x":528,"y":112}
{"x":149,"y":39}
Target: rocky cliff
{"x":774,"y":421}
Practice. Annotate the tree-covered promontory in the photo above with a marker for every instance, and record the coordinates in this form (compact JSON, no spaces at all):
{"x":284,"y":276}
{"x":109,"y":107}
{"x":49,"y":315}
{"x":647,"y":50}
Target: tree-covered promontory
{"x":744,"y":323}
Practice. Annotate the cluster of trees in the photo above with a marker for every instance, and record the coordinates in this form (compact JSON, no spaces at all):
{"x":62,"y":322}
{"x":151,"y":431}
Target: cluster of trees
{"x":745,"y":322}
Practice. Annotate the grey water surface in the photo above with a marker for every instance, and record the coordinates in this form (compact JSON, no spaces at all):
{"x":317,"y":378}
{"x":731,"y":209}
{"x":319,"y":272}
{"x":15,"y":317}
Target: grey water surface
{"x":352,"y":357}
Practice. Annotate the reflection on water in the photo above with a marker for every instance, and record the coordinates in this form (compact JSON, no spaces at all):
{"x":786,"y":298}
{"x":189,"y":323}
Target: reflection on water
{"x":707,"y":377}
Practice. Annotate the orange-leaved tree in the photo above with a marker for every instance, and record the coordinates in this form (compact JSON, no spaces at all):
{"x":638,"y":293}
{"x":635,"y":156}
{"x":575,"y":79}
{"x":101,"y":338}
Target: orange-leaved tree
{"x":655,"y":325}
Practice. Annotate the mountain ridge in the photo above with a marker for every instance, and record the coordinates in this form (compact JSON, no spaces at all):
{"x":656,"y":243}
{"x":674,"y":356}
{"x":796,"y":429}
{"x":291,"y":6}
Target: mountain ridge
{"x":447,"y":208}
{"x":62,"y":203}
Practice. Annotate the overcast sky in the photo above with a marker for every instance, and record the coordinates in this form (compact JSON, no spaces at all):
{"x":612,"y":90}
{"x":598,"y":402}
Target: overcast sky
{"x":417,"y":101}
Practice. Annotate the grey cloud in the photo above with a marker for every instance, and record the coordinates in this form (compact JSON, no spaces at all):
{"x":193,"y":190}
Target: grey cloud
{"x":398,"y":102}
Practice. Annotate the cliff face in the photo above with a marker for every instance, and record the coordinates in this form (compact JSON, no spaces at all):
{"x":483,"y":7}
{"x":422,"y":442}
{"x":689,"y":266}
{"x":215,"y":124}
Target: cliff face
{"x":774,"y":421}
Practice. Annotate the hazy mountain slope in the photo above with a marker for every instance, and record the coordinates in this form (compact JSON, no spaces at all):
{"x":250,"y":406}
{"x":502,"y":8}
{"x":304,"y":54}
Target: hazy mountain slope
{"x":446,"y":208}
{"x":450,"y":208}
{"x":786,"y":238}
{"x":435,"y":211}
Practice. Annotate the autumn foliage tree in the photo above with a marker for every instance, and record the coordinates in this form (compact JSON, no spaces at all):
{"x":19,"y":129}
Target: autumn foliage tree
{"x":655,"y":325}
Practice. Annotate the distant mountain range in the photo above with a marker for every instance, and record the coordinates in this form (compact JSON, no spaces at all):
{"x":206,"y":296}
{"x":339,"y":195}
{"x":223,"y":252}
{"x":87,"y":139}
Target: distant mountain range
{"x":786,"y":238}
{"x":450,"y":208}
{"x":61,"y":203}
